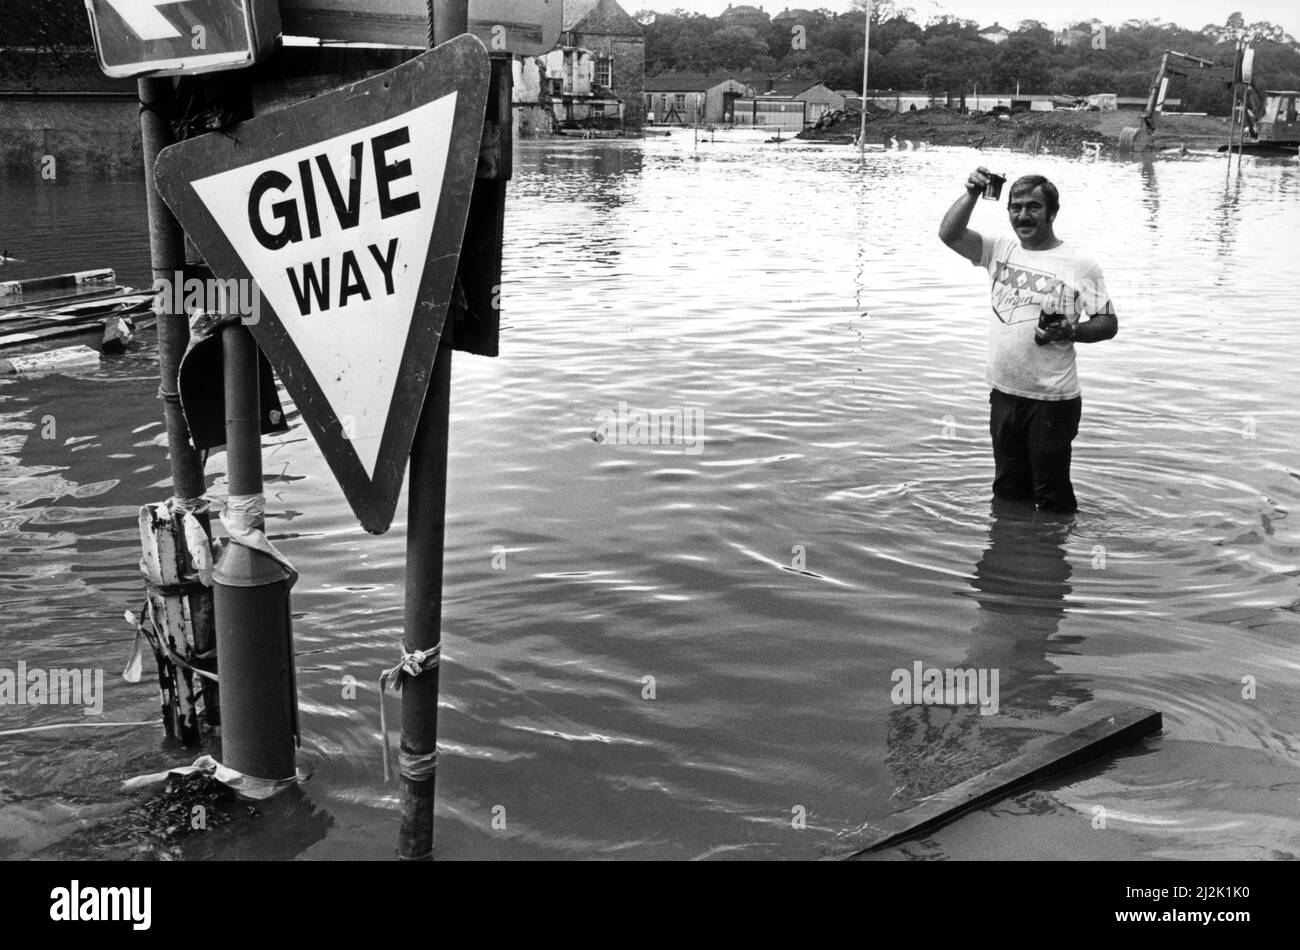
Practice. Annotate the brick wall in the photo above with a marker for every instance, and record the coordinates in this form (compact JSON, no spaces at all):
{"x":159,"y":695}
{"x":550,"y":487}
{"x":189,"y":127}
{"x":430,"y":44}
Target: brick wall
{"x":85,"y":136}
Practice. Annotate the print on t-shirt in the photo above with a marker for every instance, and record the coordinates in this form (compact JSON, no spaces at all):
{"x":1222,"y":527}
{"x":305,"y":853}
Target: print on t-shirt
{"x":1018,"y":291}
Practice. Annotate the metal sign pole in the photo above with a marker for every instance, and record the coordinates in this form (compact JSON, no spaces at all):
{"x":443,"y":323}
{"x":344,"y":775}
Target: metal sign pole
{"x":167,"y":250}
{"x":425,"y":522}
{"x":426,"y":519}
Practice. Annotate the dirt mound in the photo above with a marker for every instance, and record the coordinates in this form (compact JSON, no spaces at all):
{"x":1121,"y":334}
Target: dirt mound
{"x":1057,"y":131}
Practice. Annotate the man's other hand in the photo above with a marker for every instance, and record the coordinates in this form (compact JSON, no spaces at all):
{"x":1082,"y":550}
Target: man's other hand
{"x":1059,"y":331}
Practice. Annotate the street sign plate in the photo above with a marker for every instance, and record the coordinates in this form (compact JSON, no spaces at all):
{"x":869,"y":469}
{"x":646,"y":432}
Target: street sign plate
{"x":522,"y":27}
{"x":346,"y":215}
{"x":171,"y":37}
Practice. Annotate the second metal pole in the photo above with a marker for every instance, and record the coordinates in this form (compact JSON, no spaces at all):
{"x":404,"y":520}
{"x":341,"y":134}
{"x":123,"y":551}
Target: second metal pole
{"x":425,"y":523}
{"x":426,"y":519}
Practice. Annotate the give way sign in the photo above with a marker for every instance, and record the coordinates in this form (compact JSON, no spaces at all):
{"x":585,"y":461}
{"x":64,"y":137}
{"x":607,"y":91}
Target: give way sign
{"x":346,"y":215}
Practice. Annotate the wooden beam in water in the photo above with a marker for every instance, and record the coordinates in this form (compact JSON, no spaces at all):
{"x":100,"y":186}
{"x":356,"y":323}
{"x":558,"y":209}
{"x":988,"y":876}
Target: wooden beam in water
{"x":1041,"y":760}
{"x":34,"y":289}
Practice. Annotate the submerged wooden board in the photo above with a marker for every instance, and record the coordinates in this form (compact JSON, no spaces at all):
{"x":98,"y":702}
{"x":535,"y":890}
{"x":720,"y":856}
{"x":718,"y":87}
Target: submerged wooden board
{"x":21,"y":310}
{"x":1043,"y":759}
{"x":68,"y":357}
{"x":55,"y":329}
{"x":35,"y":288}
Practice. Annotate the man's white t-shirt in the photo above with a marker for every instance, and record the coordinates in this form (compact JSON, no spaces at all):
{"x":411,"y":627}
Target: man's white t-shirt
{"x":1019,"y":281}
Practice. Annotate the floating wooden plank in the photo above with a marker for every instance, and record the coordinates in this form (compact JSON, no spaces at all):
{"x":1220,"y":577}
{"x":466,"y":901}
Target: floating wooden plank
{"x":26,"y":289}
{"x":1042,"y":759}
{"x":120,"y":305}
{"x":68,"y":357}
{"x":11,"y":341}
{"x":35,"y":311}
{"x":53,"y":329}
{"x":526,"y":27}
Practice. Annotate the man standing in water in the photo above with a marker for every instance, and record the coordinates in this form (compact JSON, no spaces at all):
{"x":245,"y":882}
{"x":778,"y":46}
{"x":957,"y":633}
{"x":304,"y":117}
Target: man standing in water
{"x":1035,"y":399}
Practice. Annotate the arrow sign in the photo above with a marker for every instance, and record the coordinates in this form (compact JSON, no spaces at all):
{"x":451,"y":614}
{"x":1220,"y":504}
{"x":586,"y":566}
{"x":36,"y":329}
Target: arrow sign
{"x":346,"y":214}
{"x":143,"y":19}
{"x":172,"y":37}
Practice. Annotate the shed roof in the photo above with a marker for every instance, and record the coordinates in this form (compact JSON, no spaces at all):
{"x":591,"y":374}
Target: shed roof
{"x":685,"y":82}
{"x":791,"y":87}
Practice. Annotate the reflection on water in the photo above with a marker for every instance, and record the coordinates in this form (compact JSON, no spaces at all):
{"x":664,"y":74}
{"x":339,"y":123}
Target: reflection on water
{"x":1020,"y":583}
{"x":835,"y":527}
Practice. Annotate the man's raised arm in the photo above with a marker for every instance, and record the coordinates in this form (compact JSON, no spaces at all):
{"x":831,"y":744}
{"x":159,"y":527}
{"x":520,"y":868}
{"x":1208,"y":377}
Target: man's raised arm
{"x":954,"y":231}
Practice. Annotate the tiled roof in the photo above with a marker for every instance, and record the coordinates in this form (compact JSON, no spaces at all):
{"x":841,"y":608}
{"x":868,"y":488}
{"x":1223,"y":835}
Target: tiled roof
{"x":575,"y":11}
{"x":684,"y":82}
{"x":599,"y":17}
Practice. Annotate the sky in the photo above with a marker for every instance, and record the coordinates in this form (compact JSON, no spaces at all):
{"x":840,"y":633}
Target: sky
{"x":1193,"y":14}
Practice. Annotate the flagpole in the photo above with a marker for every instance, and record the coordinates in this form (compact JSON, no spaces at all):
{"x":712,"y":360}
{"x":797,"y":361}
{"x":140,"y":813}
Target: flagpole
{"x":866,"y":53}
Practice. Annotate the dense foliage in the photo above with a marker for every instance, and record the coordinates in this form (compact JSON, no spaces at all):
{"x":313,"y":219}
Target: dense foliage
{"x":945,"y":55}
{"x":948,"y":55}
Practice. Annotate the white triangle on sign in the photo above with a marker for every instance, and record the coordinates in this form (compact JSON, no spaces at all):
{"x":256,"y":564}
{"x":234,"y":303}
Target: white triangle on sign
{"x":318,"y":282}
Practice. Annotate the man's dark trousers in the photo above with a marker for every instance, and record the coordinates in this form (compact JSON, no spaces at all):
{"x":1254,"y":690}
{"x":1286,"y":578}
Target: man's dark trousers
{"x":1031,"y":448}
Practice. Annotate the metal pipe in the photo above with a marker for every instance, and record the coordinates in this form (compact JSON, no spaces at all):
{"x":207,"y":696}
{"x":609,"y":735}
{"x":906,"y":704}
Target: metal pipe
{"x":425,"y":523}
{"x":450,"y":18}
{"x":258,"y":696}
{"x":243,"y":417}
{"x":167,"y":253}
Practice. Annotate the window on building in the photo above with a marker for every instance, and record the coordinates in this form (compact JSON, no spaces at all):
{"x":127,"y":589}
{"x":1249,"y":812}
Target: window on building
{"x":557,"y":88}
{"x":679,"y":101}
{"x":605,"y":72}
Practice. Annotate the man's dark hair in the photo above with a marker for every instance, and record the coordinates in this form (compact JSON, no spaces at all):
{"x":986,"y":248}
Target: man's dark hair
{"x":1029,"y":183}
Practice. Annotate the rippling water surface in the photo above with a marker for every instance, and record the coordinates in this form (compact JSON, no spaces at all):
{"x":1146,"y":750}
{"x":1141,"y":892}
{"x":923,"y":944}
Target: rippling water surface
{"x":835,"y":525}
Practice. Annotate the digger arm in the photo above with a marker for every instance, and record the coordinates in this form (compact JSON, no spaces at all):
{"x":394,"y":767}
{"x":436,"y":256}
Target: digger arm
{"x":1141,"y":137}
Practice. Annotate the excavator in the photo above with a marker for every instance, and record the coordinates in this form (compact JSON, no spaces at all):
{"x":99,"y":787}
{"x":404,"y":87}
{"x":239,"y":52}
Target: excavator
{"x":1268,"y":117}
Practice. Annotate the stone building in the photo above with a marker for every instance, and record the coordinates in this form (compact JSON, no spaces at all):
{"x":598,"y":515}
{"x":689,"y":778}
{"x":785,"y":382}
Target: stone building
{"x":617,"y":44}
{"x":745,"y":15}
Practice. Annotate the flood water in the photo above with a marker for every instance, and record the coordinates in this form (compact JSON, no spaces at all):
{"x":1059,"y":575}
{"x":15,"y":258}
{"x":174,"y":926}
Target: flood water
{"x":833,"y":526}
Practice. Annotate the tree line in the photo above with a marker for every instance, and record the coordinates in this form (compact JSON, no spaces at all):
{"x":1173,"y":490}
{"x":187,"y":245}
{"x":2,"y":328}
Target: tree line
{"x":947,"y":54}
{"x":944,"y":55}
